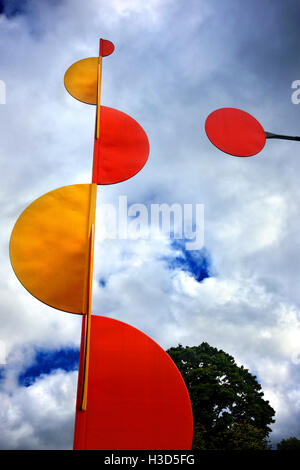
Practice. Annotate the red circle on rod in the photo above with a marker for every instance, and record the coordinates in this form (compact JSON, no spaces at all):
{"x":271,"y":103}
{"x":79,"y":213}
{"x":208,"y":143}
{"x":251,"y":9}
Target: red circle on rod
{"x":235,"y":132}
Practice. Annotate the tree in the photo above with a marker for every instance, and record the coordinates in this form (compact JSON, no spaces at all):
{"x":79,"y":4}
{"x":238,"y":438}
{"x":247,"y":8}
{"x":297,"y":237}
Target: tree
{"x":292,"y":443}
{"x":228,"y":406}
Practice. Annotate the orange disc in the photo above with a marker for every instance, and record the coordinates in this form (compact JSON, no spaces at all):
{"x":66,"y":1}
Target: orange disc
{"x":81,"y":80}
{"x":49,"y":246}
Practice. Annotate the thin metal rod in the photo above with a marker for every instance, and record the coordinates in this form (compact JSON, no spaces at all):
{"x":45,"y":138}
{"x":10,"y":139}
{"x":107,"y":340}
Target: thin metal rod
{"x":269,"y":135}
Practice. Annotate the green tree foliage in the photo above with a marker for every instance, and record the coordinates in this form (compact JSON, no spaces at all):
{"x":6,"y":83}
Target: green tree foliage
{"x":229,"y":410}
{"x":292,"y":443}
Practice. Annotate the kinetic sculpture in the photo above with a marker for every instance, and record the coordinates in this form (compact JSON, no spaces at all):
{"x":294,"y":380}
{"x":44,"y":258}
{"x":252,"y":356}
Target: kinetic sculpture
{"x":130,"y":394}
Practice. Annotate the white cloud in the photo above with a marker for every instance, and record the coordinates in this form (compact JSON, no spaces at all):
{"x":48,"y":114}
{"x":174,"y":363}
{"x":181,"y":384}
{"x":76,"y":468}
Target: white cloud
{"x":40,"y":416}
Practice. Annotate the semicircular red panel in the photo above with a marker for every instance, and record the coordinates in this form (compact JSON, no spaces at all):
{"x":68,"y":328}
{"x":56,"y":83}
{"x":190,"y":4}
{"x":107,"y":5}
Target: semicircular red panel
{"x":122,"y":148}
{"x":136,"y":396}
{"x":235,"y":132}
{"x":106,"y":47}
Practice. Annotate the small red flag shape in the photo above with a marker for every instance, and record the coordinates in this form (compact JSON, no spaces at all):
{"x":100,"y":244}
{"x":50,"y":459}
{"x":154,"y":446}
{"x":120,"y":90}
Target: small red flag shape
{"x":235,"y":132}
{"x":136,"y":397}
{"x":122,"y":148}
{"x":106,"y":47}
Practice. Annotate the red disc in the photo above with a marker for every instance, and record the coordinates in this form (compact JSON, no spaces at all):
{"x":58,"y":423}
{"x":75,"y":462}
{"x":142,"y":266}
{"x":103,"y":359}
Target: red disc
{"x":122,"y":148}
{"x":136,"y":397}
{"x":235,"y":132}
{"x":106,"y":47}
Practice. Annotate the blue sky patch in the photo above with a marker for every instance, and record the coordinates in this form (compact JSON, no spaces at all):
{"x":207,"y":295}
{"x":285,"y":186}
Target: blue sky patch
{"x":46,"y":361}
{"x":13,"y":7}
{"x":196,"y":262}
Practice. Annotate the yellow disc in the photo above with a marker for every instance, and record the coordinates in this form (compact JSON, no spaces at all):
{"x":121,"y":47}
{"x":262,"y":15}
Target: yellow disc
{"x":50,"y":244}
{"x":81,"y":80}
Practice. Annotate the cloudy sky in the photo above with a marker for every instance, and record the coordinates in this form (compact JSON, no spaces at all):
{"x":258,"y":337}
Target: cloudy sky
{"x":174,"y":62}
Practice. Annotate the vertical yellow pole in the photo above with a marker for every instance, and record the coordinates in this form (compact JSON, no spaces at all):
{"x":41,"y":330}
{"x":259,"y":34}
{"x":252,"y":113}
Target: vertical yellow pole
{"x":90,"y":261}
{"x":98,"y":96}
